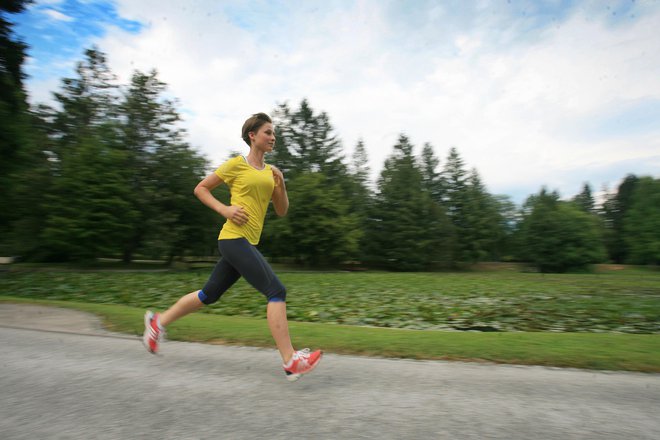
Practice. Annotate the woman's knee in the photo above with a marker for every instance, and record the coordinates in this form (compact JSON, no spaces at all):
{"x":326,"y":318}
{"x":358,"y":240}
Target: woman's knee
{"x":277,"y":293}
{"x":207,"y":298}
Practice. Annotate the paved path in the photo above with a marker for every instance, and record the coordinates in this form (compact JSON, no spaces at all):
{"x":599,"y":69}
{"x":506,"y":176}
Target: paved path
{"x":93,"y":384}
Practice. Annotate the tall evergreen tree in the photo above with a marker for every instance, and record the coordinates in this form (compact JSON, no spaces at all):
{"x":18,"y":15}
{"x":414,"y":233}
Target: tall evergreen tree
{"x":360,"y":169}
{"x":407,"y":229}
{"x":454,"y":193}
{"x":614,"y":212}
{"x":307,"y":143}
{"x":87,"y":210}
{"x":431,"y":177}
{"x":282,"y":154}
{"x":585,"y":200}
{"x":359,"y":193}
{"x":163,"y":169}
{"x":482,"y":227}
{"x":89,"y":101}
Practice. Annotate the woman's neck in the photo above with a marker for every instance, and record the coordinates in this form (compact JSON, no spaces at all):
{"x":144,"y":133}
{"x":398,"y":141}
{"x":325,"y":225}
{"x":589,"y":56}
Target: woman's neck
{"x":256,"y":159}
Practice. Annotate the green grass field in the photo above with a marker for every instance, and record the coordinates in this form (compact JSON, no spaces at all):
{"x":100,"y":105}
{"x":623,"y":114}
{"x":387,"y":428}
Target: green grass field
{"x":600,"y":321}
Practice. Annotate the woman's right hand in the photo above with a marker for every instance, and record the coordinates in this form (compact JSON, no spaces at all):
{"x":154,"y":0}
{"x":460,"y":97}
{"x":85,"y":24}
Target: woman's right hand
{"x":236,"y":214}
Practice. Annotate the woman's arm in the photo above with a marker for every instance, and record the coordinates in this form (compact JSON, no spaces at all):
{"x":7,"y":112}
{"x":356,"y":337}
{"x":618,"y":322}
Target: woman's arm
{"x":203,"y":192}
{"x":280,"y":197}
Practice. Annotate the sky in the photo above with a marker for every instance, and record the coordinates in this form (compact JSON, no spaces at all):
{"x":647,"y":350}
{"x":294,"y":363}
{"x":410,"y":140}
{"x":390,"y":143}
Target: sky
{"x":550,"y":93}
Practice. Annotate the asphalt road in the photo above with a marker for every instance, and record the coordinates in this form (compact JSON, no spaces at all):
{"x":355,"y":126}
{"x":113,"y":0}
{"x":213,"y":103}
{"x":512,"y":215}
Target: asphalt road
{"x":72,"y":380}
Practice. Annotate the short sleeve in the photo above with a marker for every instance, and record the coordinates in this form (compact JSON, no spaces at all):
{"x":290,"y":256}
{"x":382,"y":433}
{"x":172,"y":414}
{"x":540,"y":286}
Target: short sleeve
{"x":228,"y":171}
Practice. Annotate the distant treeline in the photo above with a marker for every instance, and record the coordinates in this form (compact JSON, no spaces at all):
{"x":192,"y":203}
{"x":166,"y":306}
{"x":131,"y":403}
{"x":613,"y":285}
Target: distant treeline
{"x":108,"y":172}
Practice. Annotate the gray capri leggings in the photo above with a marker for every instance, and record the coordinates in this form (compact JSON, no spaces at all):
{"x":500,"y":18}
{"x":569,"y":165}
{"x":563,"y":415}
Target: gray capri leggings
{"x":240,"y":258}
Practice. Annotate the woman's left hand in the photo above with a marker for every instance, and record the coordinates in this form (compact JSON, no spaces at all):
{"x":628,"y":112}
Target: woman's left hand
{"x":278,"y":176}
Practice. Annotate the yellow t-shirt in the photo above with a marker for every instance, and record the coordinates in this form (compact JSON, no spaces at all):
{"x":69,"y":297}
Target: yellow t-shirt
{"x":250,"y":188}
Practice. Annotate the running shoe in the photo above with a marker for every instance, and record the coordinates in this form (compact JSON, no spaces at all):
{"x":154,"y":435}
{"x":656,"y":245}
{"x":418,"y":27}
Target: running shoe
{"x":153,"y":332}
{"x":303,"y":361}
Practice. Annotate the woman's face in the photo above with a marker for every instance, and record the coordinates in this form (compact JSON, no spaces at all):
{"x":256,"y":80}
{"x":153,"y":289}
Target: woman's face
{"x":264,"y":138}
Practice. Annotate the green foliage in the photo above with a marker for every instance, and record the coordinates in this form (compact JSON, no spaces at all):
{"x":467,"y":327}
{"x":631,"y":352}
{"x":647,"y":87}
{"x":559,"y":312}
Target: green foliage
{"x":328,"y":203}
{"x":319,"y":229}
{"x":642,"y":223}
{"x":88,"y":208}
{"x":407,"y":230}
{"x":623,"y":301}
{"x":15,"y":139}
{"x":614,"y":212}
{"x":474,"y":213}
{"x":112,"y":174}
{"x":557,"y":236}
{"x":585,"y":200}
{"x":163,"y":172}
{"x":306,"y":143}
{"x":359,"y":195}
{"x":431,"y":178}
{"x":481,"y":228}
{"x":108,"y":172}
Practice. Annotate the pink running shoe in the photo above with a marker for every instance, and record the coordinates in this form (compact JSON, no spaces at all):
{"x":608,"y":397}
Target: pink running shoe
{"x":153,"y":332}
{"x":303,"y":361}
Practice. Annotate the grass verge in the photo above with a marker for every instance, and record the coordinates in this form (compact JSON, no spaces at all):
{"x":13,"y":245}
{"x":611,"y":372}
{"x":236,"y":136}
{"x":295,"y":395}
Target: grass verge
{"x":599,"y":351}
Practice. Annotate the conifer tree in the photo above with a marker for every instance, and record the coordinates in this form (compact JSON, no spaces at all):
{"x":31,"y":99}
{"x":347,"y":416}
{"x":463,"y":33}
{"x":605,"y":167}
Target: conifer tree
{"x":431,"y":177}
{"x":407,"y":230}
{"x":163,"y":171}
{"x":614,"y":212}
{"x":585,"y":199}
{"x":88,"y":214}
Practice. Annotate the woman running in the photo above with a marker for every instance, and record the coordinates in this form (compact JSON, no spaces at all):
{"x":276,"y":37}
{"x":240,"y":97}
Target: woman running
{"x":252,"y":184}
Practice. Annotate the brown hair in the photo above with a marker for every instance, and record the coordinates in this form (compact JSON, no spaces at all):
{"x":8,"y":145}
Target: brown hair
{"x":253,"y":123}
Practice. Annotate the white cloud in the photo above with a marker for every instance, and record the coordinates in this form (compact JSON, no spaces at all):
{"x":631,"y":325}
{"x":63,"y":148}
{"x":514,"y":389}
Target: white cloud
{"x":56,"y":15}
{"x":511,"y":103}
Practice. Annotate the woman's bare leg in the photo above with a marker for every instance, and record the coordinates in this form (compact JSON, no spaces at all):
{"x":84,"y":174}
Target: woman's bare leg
{"x":279,"y":328}
{"x":185,"y":305}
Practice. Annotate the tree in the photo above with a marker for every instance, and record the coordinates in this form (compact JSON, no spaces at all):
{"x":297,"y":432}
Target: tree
{"x":163,"y":172}
{"x":642,"y":223}
{"x":88,"y":212}
{"x":615,"y":209}
{"x":16,"y":144}
{"x":307,"y":143}
{"x":31,"y":185}
{"x":360,"y":164}
{"x":431,"y":178}
{"x":319,"y":228}
{"x":359,"y":193}
{"x":585,"y":200}
{"x":282,"y":155}
{"x":509,"y":217}
{"x":407,"y":230}
{"x":557,"y":236}
{"x":88,"y":101}
{"x":482,"y":226}
{"x":454,"y":193}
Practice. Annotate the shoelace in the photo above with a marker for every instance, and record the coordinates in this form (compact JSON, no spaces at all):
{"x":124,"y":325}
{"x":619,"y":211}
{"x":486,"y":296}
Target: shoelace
{"x":303,"y":356}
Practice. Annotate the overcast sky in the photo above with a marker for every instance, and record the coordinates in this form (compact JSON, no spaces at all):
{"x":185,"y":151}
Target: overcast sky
{"x":531,"y":93}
